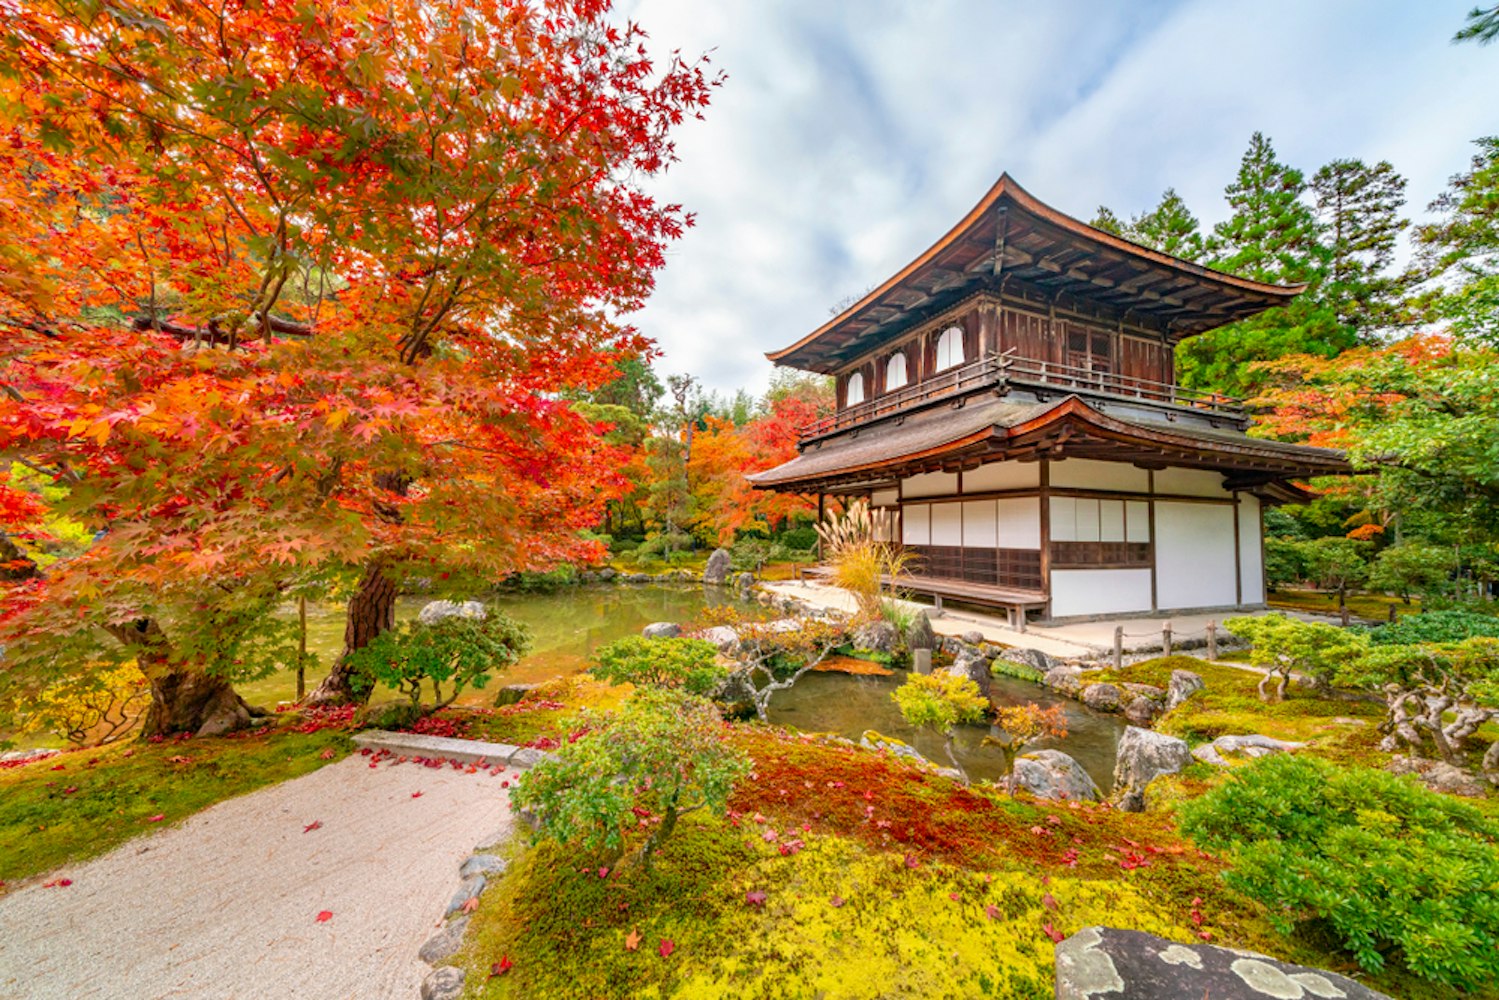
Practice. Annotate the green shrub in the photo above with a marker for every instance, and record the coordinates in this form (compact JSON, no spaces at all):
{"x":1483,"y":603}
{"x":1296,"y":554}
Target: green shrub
{"x":1284,"y":563}
{"x":659,"y":757}
{"x":1395,"y":872}
{"x":1283,"y":646}
{"x":941,"y":703}
{"x":689,"y":664}
{"x":1434,"y":626}
{"x":458,"y":652}
{"x":624,"y":545}
{"x":749,"y":555}
{"x":799,"y":538}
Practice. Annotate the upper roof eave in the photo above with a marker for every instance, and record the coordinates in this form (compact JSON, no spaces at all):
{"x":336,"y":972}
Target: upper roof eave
{"x":1006,"y":189}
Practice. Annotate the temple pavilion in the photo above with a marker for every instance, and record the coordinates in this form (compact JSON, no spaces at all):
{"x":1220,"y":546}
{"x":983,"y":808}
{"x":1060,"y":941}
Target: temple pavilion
{"x":1010,"y":398}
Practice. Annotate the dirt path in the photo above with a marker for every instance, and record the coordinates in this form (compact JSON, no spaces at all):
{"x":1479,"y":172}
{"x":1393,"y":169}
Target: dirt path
{"x":226,"y":904}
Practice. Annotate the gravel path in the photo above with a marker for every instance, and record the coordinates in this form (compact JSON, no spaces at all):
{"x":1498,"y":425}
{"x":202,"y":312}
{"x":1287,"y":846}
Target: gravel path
{"x":225,"y":905}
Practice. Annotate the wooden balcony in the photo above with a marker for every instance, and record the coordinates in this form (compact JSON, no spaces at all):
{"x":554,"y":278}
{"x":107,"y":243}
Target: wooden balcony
{"x":1000,"y":371}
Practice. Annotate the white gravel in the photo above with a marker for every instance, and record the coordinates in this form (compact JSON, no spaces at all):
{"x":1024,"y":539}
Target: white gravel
{"x":225,"y":905}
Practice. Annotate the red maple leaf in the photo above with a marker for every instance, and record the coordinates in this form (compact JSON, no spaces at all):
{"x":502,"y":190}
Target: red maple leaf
{"x":324,"y":916}
{"x":755,"y":898}
{"x":501,"y":967}
{"x":156,"y":819}
{"x":316,"y":824}
{"x":416,"y":795}
{"x":1052,"y":932}
{"x":667,"y":947}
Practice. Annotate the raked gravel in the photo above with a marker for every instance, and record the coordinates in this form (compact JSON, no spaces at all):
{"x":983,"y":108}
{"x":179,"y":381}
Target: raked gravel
{"x":224,"y":905}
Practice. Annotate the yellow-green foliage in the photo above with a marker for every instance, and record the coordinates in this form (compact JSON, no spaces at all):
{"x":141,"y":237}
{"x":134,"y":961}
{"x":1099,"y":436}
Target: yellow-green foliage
{"x":939,"y":701}
{"x":837,"y":921}
{"x":98,"y":705}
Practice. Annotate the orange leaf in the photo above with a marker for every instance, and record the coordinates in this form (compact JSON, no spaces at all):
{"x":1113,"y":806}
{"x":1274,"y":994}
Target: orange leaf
{"x":632,"y":941}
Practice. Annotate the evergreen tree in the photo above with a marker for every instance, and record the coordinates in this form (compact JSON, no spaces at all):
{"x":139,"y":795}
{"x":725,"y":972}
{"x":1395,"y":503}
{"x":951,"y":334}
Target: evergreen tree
{"x":1169,"y":228}
{"x":1482,"y":26}
{"x":1272,"y":236}
{"x":1358,"y":207}
{"x":1462,"y":248}
{"x":1109,"y":222}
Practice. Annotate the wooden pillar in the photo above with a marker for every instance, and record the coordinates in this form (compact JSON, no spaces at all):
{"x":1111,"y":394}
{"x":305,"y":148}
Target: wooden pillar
{"x":1044,"y":499}
{"x":1238,"y":557}
{"x":1150,"y":521}
{"x":821,"y":512}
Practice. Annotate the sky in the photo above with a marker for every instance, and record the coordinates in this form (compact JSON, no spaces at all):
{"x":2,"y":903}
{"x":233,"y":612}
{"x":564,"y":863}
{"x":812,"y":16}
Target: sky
{"x":847,"y":137}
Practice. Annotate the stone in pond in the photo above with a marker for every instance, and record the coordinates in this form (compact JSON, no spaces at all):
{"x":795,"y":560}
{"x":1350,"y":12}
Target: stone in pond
{"x":661,"y":630}
{"x":1064,"y":679}
{"x":921,"y":635}
{"x":435,"y":611}
{"x":1225,"y":747}
{"x":1142,"y":711}
{"x":1101,"y":697}
{"x":445,"y":983}
{"x":1102,"y":963}
{"x":878,"y":636}
{"x":973,"y":665}
{"x":1143,"y":756}
{"x":720,"y":564}
{"x":1051,"y":774}
{"x":872,"y":740}
{"x":722,"y":636}
{"x":1184,"y":684}
{"x":1038,"y":661}
{"x":445,"y":943}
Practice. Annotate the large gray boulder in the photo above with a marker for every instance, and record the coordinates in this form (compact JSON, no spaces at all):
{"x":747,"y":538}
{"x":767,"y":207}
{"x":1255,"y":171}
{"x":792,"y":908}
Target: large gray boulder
{"x":661,"y":630}
{"x":975,"y":666}
{"x":1102,"y":963}
{"x":1184,"y":684}
{"x":1042,"y":663}
{"x":435,"y":611}
{"x":1102,"y":697}
{"x":720,"y":564}
{"x":1051,"y":774}
{"x":722,"y":636}
{"x":879,"y":636}
{"x":1143,"y":756}
{"x":1225,"y":749}
{"x":921,"y":635}
{"x":1067,"y":680}
{"x":1440,"y":777}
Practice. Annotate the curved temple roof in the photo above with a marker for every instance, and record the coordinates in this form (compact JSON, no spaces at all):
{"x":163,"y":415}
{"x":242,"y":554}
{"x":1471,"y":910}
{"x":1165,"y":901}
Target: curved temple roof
{"x":1010,"y":233}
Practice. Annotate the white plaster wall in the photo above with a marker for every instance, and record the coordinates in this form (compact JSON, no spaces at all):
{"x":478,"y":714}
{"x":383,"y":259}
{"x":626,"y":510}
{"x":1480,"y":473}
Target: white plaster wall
{"x":884,"y":498}
{"x":1088,"y":473}
{"x":1190,"y":482}
{"x":1002,"y":476}
{"x":1194,"y":551}
{"x":1136,"y":521}
{"x":947,"y":524}
{"x":1063,"y":519}
{"x":916,"y":524}
{"x":1099,"y":591}
{"x":1020,"y":523}
{"x":980,"y":524}
{"x":930,"y":484}
{"x":1250,"y":553}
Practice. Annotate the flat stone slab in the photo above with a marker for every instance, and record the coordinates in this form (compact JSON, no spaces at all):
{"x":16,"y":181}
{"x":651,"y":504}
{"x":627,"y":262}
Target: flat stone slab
{"x":466,"y":751}
{"x":1102,"y":963}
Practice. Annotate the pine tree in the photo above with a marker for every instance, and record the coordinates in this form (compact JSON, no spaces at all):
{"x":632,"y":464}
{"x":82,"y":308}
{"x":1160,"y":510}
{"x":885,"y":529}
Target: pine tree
{"x":1108,"y":222}
{"x":1358,"y":207}
{"x":1462,"y":248}
{"x":1169,"y":228}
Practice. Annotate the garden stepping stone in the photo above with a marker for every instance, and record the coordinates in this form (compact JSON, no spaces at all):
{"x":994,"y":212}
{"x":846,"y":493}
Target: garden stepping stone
{"x":1103,"y":963}
{"x":483,"y":864}
{"x":445,"y":943}
{"x":448,"y":748}
{"x":445,"y":983}
{"x":468,"y":889}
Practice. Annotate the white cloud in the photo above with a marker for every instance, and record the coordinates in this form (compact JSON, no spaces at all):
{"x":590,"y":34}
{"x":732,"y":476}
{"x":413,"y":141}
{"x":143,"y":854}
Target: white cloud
{"x":850,"y":136}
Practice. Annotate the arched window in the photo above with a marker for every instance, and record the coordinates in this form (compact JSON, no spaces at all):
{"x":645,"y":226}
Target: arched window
{"x":895,"y":371}
{"x":855,"y":389}
{"x":950,"y":348}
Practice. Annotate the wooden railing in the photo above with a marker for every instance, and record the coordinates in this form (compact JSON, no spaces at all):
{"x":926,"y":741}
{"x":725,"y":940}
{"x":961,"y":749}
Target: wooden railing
{"x":1001,"y":369}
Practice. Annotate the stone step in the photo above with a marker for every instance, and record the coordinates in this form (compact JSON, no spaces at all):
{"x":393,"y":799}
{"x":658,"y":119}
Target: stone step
{"x":467,"y":751}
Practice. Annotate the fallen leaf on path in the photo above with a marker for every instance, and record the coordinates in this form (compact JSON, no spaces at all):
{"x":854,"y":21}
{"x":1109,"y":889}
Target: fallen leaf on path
{"x":416,"y":795}
{"x":324,"y":916}
{"x":667,"y":947}
{"x":316,"y":824}
{"x":501,"y":967}
{"x":470,"y":905}
{"x":632,"y":941}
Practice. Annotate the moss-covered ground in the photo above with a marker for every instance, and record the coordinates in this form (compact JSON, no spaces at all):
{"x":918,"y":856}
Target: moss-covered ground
{"x":1375,"y":607}
{"x":78,"y":805}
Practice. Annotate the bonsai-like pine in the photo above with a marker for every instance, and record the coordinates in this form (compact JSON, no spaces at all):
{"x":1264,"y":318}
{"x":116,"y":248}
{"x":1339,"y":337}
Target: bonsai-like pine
{"x":458,"y":652}
{"x":1282,"y":646}
{"x":656,"y":759}
{"x":941,"y":703}
{"x":772,"y":656}
{"x":689,"y":664}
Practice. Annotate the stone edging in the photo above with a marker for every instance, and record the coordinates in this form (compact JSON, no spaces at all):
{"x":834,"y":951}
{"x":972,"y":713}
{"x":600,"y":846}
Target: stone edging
{"x":445,"y":982}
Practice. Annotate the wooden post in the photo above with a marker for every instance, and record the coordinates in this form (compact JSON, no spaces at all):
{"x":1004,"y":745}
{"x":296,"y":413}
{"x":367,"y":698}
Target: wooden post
{"x":302,"y":648}
{"x":1392,"y":612}
{"x":821,"y":499}
{"x":1118,"y":647}
{"x":1212,"y":641}
{"x":1166,"y":638}
{"x":1343,"y":613}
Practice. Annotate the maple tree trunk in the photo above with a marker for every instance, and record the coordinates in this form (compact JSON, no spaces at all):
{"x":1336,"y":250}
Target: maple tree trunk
{"x":372,"y":610}
{"x":15,"y":565}
{"x":183,"y":700}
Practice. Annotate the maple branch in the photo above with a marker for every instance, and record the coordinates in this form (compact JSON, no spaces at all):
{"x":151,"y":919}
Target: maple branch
{"x":182,"y":332}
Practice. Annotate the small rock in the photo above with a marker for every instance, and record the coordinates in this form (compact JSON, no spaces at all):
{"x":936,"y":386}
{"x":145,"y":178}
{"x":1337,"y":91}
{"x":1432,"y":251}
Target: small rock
{"x":1143,"y":691}
{"x":878,"y":636}
{"x":1241,"y":746}
{"x":973,"y":638}
{"x":1440,"y":776}
{"x":1065,"y":679}
{"x":722,"y":636}
{"x":510,"y":694}
{"x":527,"y":757}
{"x":1184,"y":684}
{"x":921,"y":635}
{"x":1099,"y":962}
{"x":608,"y":573}
{"x":872,"y":740}
{"x":1143,"y":756}
{"x":435,"y":611}
{"x":445,"y":943}
{"x":1142,"y":711}
{"x":745,"y":581}
{"x":1042,"y":663}
{"x":720,"y":564}
{"x":445,"y":983}
{"x":661,"y":630}
{"x":1101,"y":697}
{"x":975,"y":666}
{"x":1051,"y":774}
{"x":467,"y":890}
{"x":483,"y":864}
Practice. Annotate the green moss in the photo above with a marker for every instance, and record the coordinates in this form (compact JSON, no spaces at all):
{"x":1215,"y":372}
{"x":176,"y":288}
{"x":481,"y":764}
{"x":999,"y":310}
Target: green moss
{"x":78,"y":805}
{"x":1009,"y":668}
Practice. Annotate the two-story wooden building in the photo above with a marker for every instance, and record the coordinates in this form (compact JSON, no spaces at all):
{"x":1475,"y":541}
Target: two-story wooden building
{"x":1010,"y":396}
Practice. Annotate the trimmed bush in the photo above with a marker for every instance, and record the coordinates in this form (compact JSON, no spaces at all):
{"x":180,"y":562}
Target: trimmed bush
{"x":1394,"y":872}
{"x":689,"y":664}
{"x":1435,"y":626}
{"x":457,"y":652}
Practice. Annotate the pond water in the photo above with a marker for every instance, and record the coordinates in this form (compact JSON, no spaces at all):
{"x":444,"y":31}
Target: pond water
{"x":568,"y":625}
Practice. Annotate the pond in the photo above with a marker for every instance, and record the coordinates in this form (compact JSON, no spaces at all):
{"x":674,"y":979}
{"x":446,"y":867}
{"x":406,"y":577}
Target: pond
{"x":569,"y":624}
